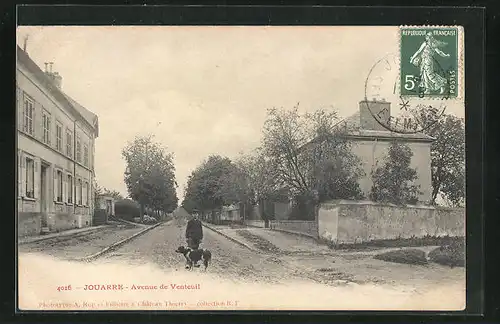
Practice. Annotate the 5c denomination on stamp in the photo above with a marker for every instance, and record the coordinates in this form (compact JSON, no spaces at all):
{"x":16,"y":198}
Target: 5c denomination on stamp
{"x":389,"y":108}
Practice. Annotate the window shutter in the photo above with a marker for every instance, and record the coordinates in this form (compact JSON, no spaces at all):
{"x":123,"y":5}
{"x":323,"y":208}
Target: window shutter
{"x":54,"y":187}
{"x":65,"y":187}
{"x":36,"y":179}
{"x":22,"y":174}
{"x":37,"y":121}
{"x":20,"y":110}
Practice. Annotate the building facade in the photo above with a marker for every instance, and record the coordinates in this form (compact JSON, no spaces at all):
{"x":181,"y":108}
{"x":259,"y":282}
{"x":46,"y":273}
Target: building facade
{"x":55,"y":153}
{"x":371,"y":143}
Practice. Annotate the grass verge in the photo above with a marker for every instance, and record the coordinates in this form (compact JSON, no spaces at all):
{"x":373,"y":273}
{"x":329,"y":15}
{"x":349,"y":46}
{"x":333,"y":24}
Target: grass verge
{"x":400,"y":242}
{"x":452,"y":255}
{"x":259,"y":242}
{"x":407,"y":256}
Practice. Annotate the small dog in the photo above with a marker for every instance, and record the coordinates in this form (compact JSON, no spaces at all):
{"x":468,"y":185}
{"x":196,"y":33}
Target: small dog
{"x":194,"y":256}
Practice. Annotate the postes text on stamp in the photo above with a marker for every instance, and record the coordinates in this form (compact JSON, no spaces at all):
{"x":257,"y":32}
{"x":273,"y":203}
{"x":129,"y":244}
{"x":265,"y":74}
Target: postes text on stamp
{"x":429,"y":62}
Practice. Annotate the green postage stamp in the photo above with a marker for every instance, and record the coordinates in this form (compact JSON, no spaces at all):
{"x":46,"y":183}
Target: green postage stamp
{"x":430,"y":62}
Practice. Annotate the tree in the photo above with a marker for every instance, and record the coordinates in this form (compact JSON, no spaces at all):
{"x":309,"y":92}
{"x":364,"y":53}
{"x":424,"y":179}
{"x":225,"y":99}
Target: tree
{"x":393,"y":181}
{"x":208,"y":186}
{"x":150,"y":175}
{"x":257,"y":183}
{"x":448,"y":159}
{"x":113,"y":193}
{"x":311,"y":155}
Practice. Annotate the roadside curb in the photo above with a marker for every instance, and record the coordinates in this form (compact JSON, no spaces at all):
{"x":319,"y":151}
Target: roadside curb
{"x":115,"y":245}
{"x":284,"y":231}
{"x":121,"y":220}
{"x":232,"y":239}
{"x":295,"y":233}
{"x":62,"y":234}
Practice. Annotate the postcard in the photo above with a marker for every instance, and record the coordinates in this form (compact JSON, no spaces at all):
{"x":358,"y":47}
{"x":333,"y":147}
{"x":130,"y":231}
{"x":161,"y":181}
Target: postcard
{"x":240,"y":168}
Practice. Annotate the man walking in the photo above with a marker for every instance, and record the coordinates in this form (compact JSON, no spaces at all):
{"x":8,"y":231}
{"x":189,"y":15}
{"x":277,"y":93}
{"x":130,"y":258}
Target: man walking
{"x":194,"y":232}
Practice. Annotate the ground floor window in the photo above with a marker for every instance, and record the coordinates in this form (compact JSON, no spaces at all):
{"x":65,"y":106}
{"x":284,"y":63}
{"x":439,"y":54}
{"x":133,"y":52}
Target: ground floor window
{"x":30,"y":178}
{"x":87,"y":194}
{"x":70,"y":189}
{"x":84,"y":194}
{"x":59,"y":192}
{"x":79,"y":191}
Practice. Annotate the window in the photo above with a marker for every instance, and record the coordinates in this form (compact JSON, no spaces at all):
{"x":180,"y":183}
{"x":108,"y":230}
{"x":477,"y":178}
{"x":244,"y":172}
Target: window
{"x":30,"y":178}
{"x":85,"y":194}
{"x":46,"y":127}
{"x":79,"y":192}
{"x":59,"y":137}
{"x":59,"y":191}
{"x":70,"y":189}
{"x":78,"y":149}
{"x":28,"y":114}
{"x":86,"y":155}
{"x":69,"y":146}
{"x":88,"y":194}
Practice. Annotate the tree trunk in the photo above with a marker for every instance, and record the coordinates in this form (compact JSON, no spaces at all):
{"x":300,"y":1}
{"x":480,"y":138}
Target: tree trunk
{"x":435,"y":192}
{"x":142,"y":212}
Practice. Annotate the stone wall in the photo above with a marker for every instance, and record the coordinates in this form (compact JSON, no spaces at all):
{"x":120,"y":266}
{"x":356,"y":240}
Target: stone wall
{"x":355,"y":222}
{"x":308,"y":228}
{"x":64,"y":218}
{"x":62,"y":221}
{"x":254,"y":223}
{"x":29,"y":223}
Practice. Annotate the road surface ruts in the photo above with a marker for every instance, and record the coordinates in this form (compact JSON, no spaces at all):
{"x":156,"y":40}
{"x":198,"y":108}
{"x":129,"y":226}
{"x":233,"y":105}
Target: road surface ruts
{"x":230,"y":260}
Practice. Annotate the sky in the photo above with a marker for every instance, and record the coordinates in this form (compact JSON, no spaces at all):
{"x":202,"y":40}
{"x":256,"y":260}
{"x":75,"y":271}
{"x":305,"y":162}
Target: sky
{"x":204,"y":90}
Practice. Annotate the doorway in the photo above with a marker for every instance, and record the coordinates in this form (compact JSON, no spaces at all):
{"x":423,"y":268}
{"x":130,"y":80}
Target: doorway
{"x":43,"y":194}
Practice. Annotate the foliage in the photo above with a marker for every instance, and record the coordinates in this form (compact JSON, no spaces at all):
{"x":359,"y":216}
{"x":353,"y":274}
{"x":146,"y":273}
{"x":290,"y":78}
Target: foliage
{"x":208,"y":186}
{"x":310,"y":155}
{"x":448,"y":159}
{"x":260,"y":182}
{"x":452,"y":255}
{"x":408,"y":256}
{"x":127,"y":209}
{"x":102,"y":191}
{"x":392,"y":182}
{"x":150,"y":175}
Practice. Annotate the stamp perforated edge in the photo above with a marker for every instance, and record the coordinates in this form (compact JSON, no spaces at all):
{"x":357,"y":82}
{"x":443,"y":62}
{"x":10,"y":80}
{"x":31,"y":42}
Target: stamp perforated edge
{"x":460,"y":61}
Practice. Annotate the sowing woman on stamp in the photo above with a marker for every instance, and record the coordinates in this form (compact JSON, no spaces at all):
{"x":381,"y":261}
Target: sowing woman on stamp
{"x":430,"y":80}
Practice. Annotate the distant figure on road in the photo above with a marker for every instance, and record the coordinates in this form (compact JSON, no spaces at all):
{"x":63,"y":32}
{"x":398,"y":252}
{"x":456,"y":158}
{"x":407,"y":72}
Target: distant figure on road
{"x":194,"y":232}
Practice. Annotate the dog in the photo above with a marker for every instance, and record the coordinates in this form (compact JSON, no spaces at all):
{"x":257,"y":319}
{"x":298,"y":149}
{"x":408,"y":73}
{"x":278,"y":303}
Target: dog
{"x":194,"y":256}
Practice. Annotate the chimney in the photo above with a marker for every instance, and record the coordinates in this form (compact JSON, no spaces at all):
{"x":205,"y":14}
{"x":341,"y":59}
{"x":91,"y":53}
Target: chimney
{"x":25,"y":45}
{"x":368,"y":108}
{"x":53,"y":76}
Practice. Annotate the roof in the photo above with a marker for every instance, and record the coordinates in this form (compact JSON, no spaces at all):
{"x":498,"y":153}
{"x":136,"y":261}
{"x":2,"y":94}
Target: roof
{"x":354,"y":131}
{"x":352,"y":126}
{"x":78,"y":109}
{"x":89,"y":116}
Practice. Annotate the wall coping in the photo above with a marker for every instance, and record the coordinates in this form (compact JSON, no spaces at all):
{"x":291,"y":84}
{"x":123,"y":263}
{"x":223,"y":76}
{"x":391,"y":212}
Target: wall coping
{"x":334,"y":203}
